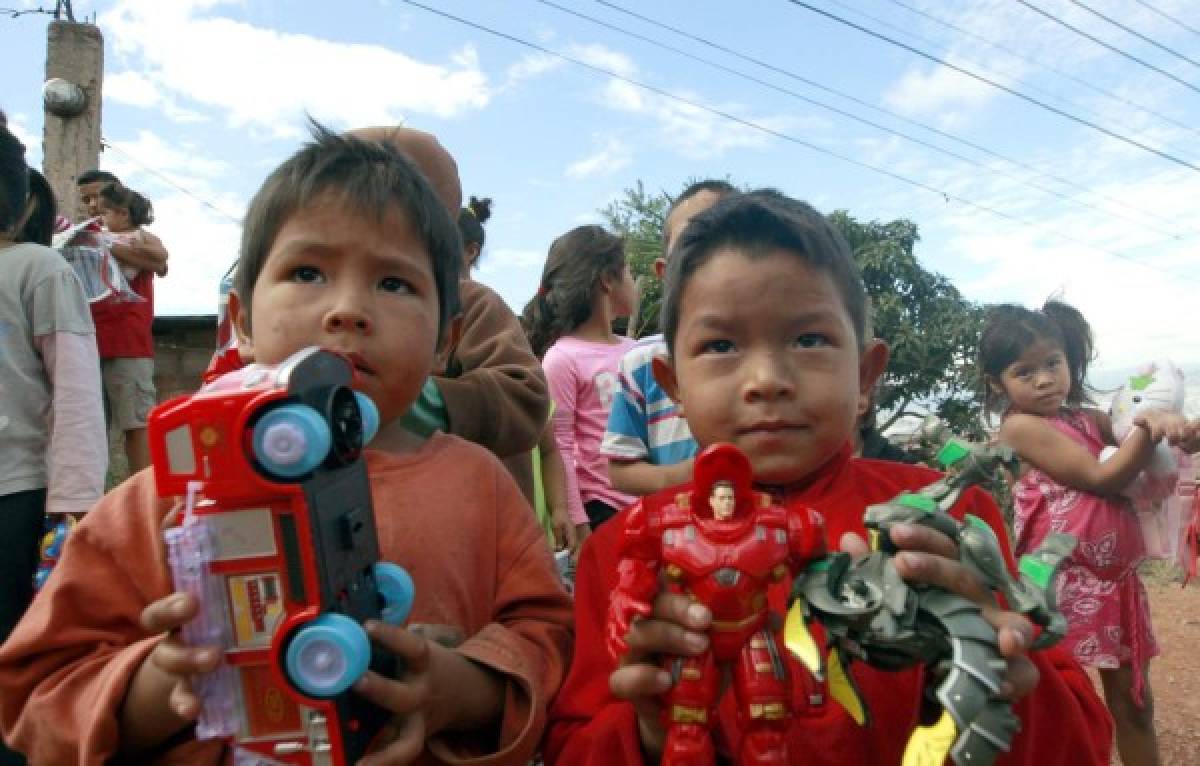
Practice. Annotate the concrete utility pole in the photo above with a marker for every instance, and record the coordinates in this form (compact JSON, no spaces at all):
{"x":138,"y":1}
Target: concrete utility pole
{"x":71,"y":140}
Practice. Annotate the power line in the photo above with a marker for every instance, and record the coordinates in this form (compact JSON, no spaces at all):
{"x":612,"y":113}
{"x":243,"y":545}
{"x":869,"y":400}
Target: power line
{"x":962,"y":158}
{"x":957,"y":139}
{"x":109,"y":145}
{"x":1167,"y":16}
{"x":1028,"y":87}
{"x":994,"y":84}
{"x":1060,"y":72}
{"x":1135,"y":33}
{"x":700,"y":106}
{"x":1108,"y":46}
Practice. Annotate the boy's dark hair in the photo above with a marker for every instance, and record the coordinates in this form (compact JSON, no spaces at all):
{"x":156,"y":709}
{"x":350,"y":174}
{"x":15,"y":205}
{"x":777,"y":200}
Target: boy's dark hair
{"x":39,"y":227}
{"x":372,"y":178}
{"x":717,"y":186}
{"x":578,"y":260}
{"x":92,"y":176}
{"x":471,"y":220}
{"x":141,"y":212}
{"x":757,"y":223}
{"x":1010,"y":329}
{"x":14,"y":180}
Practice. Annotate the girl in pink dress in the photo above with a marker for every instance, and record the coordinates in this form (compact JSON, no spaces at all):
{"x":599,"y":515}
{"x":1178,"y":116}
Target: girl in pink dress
{"x":1034,"y":366}
{"x":585,"y":285}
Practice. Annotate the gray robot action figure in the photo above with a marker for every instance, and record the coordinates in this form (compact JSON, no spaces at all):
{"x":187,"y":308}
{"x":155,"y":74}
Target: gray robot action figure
{"x":869,"y":613}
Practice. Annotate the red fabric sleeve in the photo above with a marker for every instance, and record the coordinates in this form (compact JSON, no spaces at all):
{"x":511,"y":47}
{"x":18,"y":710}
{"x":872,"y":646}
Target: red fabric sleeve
{"x":587,"y":725}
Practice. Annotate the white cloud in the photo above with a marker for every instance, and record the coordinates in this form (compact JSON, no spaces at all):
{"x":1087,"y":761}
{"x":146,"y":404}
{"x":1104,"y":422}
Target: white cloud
{"x":148,"y":150}
{"x":502,"y":260}
{"x":937,"y":90}
{"x":267,"y":79}
{"x":19,"y":127}
{"x":202,"y":245}
{"x":614,"y":155}
{"x":1135,"y":304}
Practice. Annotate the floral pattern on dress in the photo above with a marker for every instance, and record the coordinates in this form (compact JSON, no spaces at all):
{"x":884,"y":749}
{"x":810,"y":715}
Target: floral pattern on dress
{"x":1099,"y":592}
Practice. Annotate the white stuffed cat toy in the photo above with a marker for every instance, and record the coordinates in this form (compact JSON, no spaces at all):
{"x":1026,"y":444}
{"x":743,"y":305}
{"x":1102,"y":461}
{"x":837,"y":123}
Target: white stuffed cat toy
{"x":1158,"y":385}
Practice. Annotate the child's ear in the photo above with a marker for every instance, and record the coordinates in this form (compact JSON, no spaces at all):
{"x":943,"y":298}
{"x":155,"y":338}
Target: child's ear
{"x":872,"y":361}
{"x":239,"y":319}
{"x":664,"y":373}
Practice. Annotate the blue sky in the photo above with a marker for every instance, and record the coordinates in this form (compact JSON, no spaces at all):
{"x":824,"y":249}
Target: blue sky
{"x":212,"y":94}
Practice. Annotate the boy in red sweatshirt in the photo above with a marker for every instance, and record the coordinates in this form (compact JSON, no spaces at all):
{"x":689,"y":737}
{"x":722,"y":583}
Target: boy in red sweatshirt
{"x":764,"y":317}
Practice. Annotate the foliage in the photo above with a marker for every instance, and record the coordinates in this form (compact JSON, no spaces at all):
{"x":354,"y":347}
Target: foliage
{"x":933,"y":332}
{"x":931,"y":329}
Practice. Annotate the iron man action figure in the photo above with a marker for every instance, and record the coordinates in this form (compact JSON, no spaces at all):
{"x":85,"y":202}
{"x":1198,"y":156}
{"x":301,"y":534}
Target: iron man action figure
{"x":722,"y":544}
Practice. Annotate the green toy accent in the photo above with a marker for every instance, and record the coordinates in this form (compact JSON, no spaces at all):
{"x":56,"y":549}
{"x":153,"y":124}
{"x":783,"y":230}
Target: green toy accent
{"x":1141,"y":382}
{"x":820,"y":565}
{"x":918,"y":502}
{"x":1040,"y":572}
{"x":975,"y":521}
{"x":952,"y":452}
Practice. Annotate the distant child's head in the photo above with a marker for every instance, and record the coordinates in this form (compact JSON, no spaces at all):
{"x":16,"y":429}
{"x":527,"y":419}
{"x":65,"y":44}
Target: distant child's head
{"x":14,"y":185}
{"x":765,"y":317}
{"x":123,"y":209}
{"x":347,"y":247}
{"x":695,"y":199}
{"x":1035,"y":361}
{"x":470,"y":227}
{"x":90,"y":183}
{"x":585,"y":272}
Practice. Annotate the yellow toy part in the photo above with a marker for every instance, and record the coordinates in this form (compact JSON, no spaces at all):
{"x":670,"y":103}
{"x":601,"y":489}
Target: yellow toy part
{"x":929,"y":745}
{"x":799,"y":641}
{"x":842,"y":689}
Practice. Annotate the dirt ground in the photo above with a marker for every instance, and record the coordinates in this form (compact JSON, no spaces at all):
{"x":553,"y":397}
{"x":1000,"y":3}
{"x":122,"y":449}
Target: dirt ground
{"x":1175,"y":674}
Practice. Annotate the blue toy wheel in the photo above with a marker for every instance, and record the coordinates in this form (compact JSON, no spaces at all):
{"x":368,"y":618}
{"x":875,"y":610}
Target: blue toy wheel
{"x":370,"y":417}
{"x":395,"y":585}
{"x":327,"y":656}
{"x":291,"y":440}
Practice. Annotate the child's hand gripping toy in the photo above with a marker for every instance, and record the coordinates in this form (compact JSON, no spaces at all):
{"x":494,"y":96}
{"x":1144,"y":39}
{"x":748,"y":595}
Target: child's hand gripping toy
{"x":722,"y":543}
{"x":1158,"y":385}
{"x":279,"y":546}
{"x":870,"y":613}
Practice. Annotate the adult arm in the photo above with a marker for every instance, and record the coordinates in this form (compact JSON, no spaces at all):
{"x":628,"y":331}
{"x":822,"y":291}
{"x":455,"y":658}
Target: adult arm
{"x":493,"y":386}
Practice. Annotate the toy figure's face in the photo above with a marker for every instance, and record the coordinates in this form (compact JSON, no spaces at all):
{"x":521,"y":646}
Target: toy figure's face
{"x":1038,"y":382}
{"x":723,"y":502}
{"x":349,"y":283}
{"x":766,"y":358}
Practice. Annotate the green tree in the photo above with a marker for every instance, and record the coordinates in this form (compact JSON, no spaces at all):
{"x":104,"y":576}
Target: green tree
{"x":932,"y":330}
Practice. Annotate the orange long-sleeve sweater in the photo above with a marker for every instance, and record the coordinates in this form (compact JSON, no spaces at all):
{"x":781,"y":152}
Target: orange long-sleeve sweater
{"x":448,"y":513}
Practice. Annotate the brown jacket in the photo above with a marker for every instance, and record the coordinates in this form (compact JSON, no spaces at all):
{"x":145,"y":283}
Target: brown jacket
{"x":493,"y":386}
{"x":447,"y":513}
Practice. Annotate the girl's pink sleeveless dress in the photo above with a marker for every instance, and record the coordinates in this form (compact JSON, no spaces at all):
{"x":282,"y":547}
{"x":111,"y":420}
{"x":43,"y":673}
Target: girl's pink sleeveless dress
{"x":1099,"y":590}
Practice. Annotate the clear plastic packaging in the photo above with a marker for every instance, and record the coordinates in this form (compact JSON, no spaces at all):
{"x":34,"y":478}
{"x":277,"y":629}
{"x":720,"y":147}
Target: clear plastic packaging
{"x":189,"y":551}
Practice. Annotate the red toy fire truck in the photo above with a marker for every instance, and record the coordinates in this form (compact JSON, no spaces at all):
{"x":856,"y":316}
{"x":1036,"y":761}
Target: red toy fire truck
{"x":279,"y":545}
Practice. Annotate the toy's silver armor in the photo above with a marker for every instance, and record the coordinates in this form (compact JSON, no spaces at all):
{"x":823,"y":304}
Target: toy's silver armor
{"x":869,"y":613}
